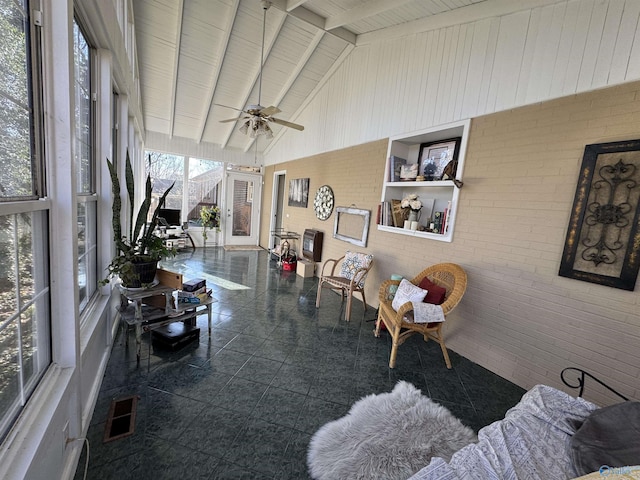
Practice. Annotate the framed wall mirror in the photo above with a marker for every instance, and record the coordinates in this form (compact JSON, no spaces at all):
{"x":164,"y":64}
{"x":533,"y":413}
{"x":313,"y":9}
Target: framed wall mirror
{"x":352,"y":225}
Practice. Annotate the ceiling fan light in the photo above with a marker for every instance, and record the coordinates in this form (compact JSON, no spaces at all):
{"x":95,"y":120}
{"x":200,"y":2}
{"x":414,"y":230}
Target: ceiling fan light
{"x":255,"y":127}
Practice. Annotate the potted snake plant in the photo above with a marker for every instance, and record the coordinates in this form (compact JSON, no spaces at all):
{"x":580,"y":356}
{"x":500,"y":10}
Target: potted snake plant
{"x":137,"y":252}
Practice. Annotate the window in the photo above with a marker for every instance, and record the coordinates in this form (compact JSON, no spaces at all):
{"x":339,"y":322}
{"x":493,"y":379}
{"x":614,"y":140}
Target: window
{"x":202,"y":177}
{"x":205,"y":177}
{"x":165,"y":169}
{"x":25,"y":341}
{"x":85,"y":168}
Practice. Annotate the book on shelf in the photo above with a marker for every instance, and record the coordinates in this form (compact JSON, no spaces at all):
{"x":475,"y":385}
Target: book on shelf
{"x":385,"y":216}
{"x":437,"y":222}
{"x":395,"y":164}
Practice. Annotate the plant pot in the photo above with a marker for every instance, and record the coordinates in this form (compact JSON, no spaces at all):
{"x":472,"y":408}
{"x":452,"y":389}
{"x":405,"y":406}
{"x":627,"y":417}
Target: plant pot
{"x":143,"y":273}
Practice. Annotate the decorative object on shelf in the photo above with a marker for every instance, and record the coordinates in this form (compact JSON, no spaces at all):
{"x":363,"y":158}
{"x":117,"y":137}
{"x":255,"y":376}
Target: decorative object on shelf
{"x":602,"y":243}
{"x":411,"y":203}
{"x":449,"y":173}
{"x":137,"y":254}
{"x":210,"y":218}
{"x":323,"y":202}
{"x":399,"y":214}
{"x":409,"y":172}
{"x":395,"y":166}
{"x":299,"y":192}
{"x":434,"y":157}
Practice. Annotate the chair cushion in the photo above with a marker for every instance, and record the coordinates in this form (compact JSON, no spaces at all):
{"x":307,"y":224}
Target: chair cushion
{"x":436,"y":292}
{"x":352,"y":262}
{"x":407,"y":292}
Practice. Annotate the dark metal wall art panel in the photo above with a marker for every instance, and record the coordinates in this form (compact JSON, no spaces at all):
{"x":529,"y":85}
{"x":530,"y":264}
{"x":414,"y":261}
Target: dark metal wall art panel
{"x":603,"y":238}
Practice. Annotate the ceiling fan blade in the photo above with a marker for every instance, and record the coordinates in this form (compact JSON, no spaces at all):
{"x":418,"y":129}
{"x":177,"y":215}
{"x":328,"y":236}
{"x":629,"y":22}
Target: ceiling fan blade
{"x":268,"y":111}
{"x":227,"y":106}
{"x":231,"y":120}
{"x":284,"y":123}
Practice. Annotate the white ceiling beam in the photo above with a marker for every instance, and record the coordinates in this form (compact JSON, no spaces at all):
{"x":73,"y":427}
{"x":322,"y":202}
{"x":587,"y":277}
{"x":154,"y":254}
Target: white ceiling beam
{"x":294,"y":75}
{"x":362,"y":11}
{"x":267,"y":50}
{"x":343,"y":56}
{"x":459,"y":16}
{"x":293,"y":4}
{"x":214,"y":81}
{"x":176,"y":64}
{"x":318,"y":21}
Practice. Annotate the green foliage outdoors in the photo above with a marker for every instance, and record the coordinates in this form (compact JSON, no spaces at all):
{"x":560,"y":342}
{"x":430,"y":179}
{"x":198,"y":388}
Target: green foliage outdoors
{"x":16,"y":181}
{"x":15,"y":108}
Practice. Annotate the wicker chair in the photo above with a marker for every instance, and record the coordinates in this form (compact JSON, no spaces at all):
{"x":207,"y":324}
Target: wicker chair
{"x":448,"y":275}
{"x":352,"y":275}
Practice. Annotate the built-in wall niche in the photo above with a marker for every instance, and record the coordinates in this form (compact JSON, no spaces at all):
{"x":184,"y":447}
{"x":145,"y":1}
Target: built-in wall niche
{"x":443,"y":194}
{"x":352,"y":225}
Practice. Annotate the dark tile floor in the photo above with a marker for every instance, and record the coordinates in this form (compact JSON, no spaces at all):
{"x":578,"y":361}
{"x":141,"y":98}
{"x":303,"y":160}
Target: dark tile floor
{"x":245,"y":402}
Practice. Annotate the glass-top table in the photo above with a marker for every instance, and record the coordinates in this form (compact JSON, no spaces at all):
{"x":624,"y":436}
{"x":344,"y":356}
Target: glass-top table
{"x":147,"y":317}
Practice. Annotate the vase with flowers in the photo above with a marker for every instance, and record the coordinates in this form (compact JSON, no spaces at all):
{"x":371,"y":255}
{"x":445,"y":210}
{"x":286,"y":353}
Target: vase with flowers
{"x":411,"y":203}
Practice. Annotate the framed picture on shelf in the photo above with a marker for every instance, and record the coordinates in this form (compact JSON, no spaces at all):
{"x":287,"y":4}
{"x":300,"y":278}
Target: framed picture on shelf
{"x":435,"y":156}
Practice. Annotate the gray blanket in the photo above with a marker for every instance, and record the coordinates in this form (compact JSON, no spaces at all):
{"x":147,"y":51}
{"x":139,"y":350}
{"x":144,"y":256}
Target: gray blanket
{"x":531,"y":442}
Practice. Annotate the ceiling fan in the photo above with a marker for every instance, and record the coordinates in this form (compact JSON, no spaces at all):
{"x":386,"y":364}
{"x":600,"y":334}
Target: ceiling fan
{"x":256,"y":117}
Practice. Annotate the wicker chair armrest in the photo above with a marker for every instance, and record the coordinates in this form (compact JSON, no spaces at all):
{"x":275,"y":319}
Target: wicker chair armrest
{"x":383,"y":292}
{"x":404,"y":309}
{"x":391,"y":315}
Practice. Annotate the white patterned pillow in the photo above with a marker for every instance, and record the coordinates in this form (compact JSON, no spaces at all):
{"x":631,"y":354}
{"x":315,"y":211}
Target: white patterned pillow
{"x":353,"y":261}
{"x":407,"y":292}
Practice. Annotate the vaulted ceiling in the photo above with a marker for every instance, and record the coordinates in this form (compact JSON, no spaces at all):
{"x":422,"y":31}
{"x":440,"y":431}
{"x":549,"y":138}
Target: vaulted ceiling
{"x":199,"y":60}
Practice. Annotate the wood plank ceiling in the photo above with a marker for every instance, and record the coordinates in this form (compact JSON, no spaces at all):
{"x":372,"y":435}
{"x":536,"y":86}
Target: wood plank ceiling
{"x":195,"y":55}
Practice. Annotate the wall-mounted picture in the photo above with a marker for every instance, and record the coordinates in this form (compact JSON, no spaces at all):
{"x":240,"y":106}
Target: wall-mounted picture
{"x":299,"y":192}
{"x":603,"y":238}
{"x":435,"y":156}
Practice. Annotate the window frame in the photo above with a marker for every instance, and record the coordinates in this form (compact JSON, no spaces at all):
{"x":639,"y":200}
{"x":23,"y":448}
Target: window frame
{"x":88,"y":199}
{"x":39,"y":207}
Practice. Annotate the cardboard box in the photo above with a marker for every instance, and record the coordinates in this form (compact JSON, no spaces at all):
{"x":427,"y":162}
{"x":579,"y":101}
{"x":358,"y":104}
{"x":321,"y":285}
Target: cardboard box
{"x":169,"y":278}
{"x":305,"y":268}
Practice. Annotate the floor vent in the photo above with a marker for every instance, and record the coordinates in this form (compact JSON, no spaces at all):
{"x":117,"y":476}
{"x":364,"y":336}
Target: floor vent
{"x":121,"y":421}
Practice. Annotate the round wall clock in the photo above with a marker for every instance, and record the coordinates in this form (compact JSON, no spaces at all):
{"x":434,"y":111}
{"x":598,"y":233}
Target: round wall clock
{"x":323,"y":203}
